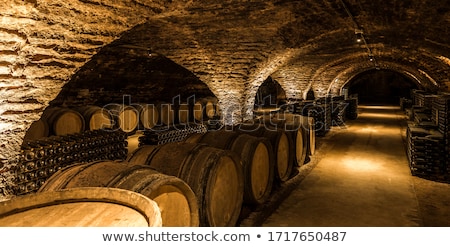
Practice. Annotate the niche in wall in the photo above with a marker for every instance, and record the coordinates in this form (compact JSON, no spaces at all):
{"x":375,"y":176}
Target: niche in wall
{"x":270,"y":95}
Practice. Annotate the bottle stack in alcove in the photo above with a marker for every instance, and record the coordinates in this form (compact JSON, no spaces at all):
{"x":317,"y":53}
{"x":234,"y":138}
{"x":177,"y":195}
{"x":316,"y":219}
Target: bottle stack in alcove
{"x":328,"y":111}
{"x":42,"y":157}
{"x":428,"y":135}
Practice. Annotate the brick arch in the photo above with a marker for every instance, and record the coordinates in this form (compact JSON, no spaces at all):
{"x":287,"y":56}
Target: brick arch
{"x":329,"y":78}
{"x":346,"y":75}
{"x":43,"y":43}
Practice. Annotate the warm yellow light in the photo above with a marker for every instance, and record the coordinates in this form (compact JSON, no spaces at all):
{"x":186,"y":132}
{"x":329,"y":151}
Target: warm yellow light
{"x":378,"y":115}
{"x":380,"y":107}
{"x":356,"y":164}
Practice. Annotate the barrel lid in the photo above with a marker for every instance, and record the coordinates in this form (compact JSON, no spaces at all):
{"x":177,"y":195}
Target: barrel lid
{"x":74,"y":207}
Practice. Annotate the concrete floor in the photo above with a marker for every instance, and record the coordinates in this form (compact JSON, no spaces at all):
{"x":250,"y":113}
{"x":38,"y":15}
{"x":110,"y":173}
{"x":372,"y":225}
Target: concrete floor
{"x":359,"y":176}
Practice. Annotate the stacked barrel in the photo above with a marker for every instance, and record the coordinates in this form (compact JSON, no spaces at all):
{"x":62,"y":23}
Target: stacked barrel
{"x":214,"y":175}
{"x":158,"y":115}
{"x":198,"y":175}
{"x":174,"y":122}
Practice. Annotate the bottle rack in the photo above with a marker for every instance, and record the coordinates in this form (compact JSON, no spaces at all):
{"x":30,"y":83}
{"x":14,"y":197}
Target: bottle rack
{"x":41,"y":158}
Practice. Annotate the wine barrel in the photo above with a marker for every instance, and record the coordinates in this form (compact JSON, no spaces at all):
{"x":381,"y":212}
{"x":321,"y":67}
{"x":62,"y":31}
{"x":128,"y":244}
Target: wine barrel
{"x":148,"y":116}
{"x":81,"y":207}
{"x":166,"y":113}
{"x":176,"y":200}
{"x":292,"y":124}
{"x":95,"y":117}
{"x":38,"y":129}
{"x":282,"y":144}
{"x":205,"y":109}
{"x":308,"y":125}
{"x":184,"y":113}
{"x":63,"y":121}
{"x":215,"y":176}
{"x":125,"y":116}
{"x":256,"y":156}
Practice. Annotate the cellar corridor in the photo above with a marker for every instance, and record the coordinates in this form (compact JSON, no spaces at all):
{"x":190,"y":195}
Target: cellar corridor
{"x":361,"y":178}
{"x":137,"y":95}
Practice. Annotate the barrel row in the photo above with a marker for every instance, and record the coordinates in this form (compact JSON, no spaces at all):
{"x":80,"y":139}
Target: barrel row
{"x":221,"y":171}
{"x":128,"y":118}
{"x":193,"y":184}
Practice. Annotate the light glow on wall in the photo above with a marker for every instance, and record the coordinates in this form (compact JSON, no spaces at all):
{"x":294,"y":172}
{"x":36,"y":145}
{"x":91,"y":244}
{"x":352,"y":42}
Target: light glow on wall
{"x":428,"y":76}
{"x":444,"y":59}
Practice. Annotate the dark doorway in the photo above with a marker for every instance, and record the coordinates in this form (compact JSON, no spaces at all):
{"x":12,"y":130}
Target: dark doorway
{"x":270,"y":94}
{"x":381,"y":87}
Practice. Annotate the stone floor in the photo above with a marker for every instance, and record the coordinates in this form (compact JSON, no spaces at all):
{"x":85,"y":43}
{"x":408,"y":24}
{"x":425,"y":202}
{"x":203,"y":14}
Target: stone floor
{"x":359,"y":176}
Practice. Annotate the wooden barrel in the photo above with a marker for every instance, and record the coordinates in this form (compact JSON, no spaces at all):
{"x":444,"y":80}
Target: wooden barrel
{"x":96,"y":117}
{"x":63,"y":121}
{"x":215,"y":176}
{"x":176,"y":200}
{"x":256,"y":156}
{"x":308,"y":125}
{"x":205,"y":109}
{"x":125,"y":116}
{"x":81,"y":207}
{"x":166,"y":113}
{"x":292,"y":124}
{"x":38,"y":129}
{"x":282,"y":144}
{"x":148,"y":115}
{"x":184,"y":115}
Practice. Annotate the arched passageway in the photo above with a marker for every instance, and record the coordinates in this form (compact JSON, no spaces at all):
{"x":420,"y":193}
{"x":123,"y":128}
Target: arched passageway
{"x":381,"y":87}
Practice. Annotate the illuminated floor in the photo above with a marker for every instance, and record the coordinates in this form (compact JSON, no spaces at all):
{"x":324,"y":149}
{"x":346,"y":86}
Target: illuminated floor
{"x":360,"y":177}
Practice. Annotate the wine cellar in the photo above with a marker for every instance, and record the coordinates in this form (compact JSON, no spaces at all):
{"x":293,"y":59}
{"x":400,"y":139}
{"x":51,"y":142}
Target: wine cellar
{"x":226,"y":114}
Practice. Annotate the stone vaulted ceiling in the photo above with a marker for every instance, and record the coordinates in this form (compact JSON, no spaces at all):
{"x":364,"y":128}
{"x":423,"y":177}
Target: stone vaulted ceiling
{"x":232,"y":46}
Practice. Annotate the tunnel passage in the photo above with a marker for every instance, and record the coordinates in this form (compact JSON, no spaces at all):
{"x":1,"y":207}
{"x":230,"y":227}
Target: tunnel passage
{"x":380,"y":87}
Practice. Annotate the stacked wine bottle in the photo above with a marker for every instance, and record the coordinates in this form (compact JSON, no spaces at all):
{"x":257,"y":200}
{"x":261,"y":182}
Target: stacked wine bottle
{"x":174,"y":134}
{"x":41,"y":158}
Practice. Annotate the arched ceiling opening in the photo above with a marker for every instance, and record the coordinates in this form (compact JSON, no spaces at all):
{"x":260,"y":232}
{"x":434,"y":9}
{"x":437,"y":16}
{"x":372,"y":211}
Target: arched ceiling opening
{"x":381,"y":87}
{"x":132,"y":72}
{"x":270,"y":95}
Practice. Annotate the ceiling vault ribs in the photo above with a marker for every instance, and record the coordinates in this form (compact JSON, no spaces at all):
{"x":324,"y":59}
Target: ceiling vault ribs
{"x":360,"y":35}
